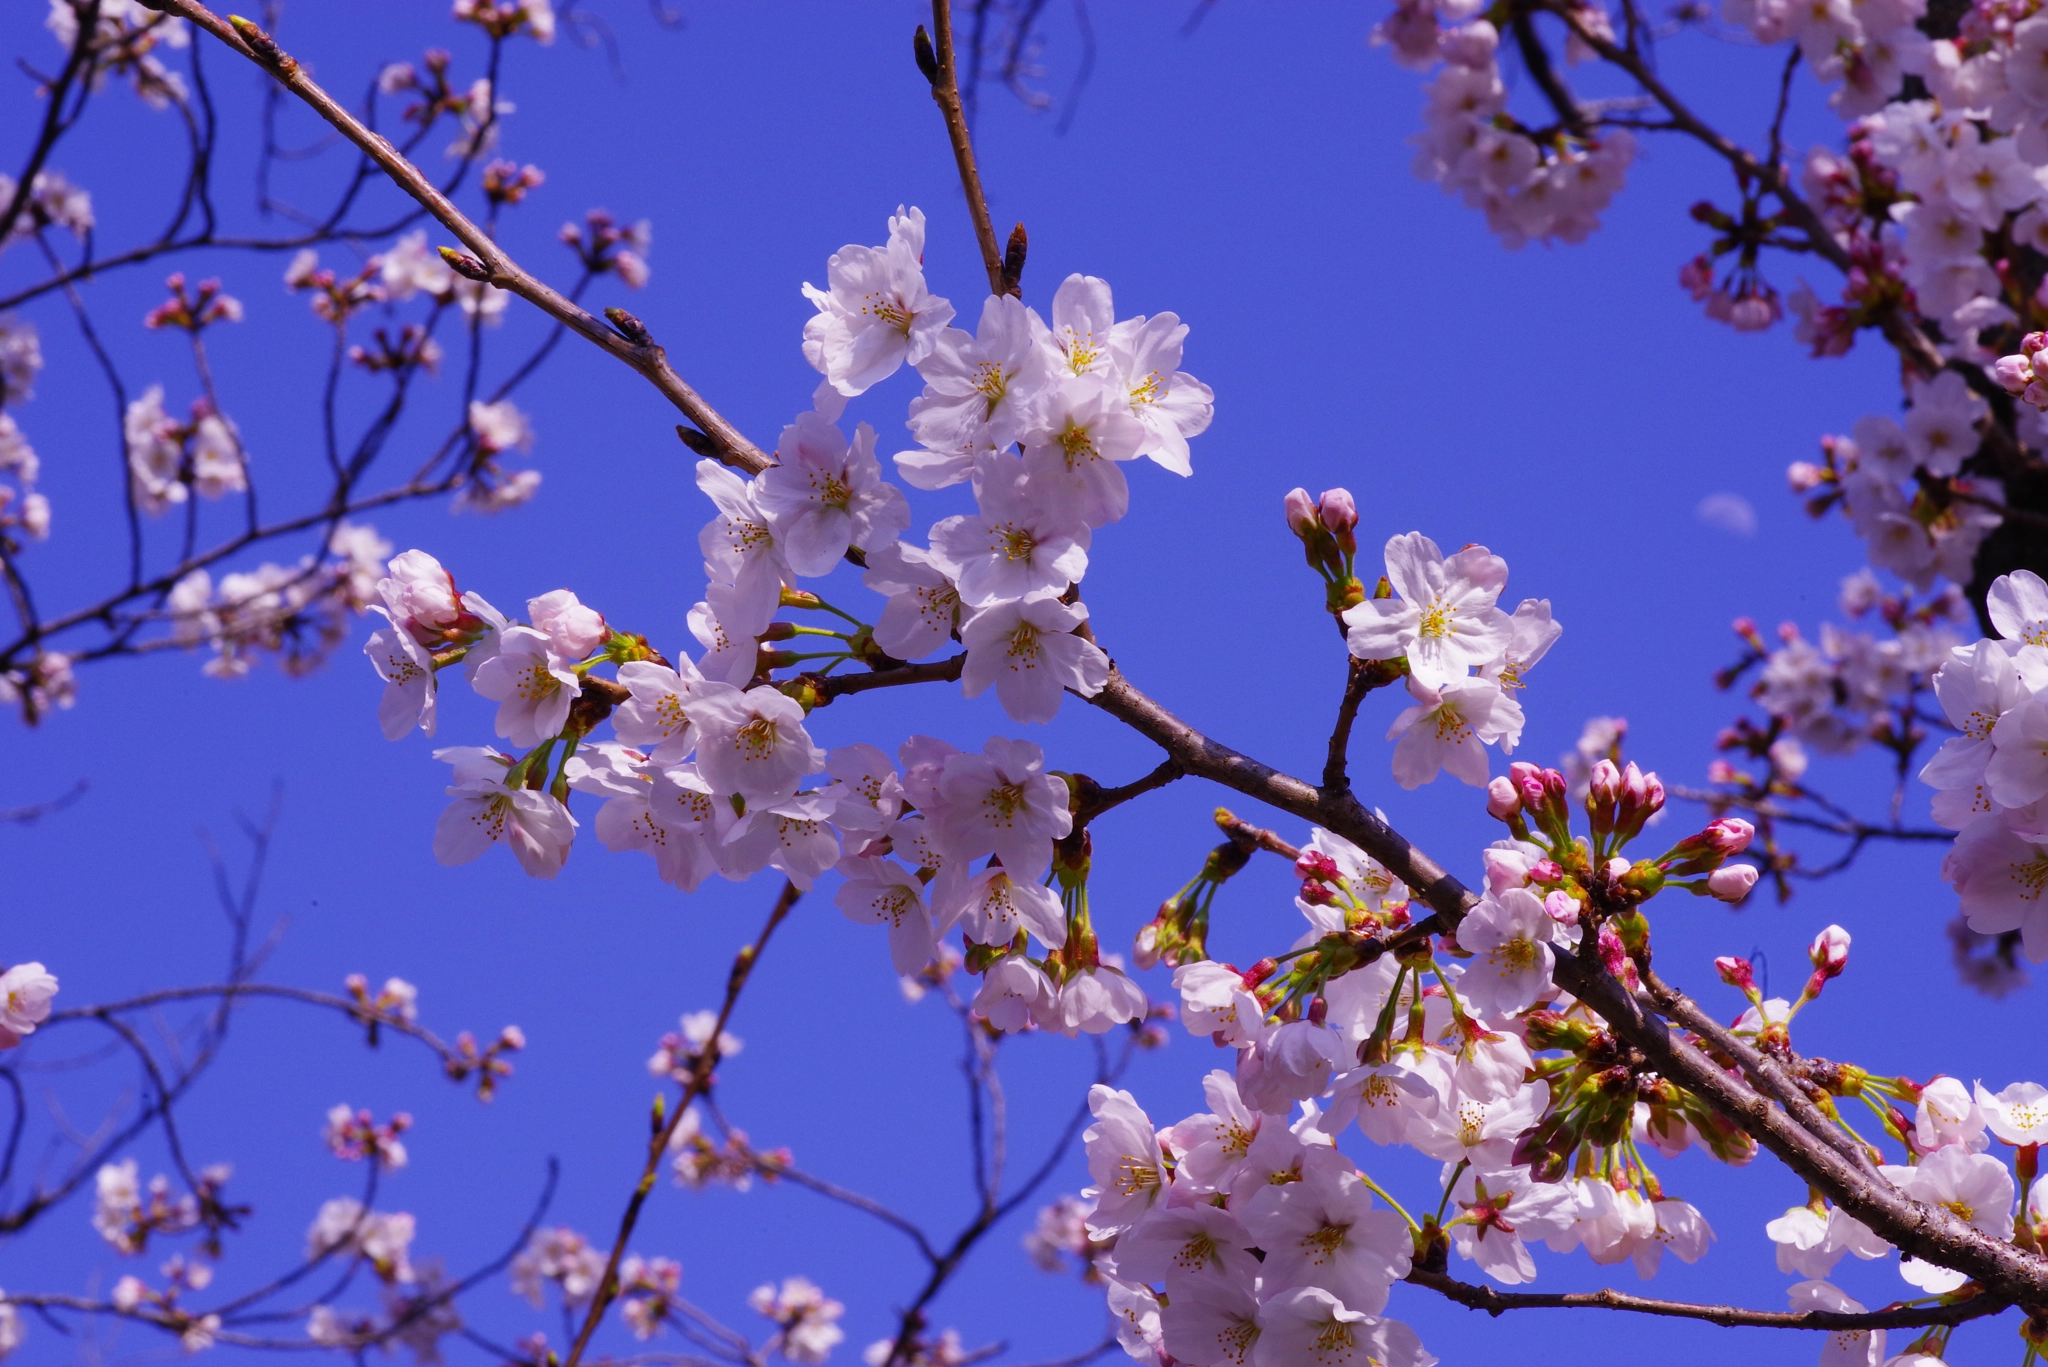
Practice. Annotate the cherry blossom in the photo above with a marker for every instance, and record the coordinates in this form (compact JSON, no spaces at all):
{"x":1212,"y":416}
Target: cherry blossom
{"x":1027,"y":650}
{"x":825,"y":495}
{"x":754,"y":744}
{"x":1002,"y":802}
{"x":1444,"y":620}
{"x":1123,"y":1159}
{"x":1450,"y":728}
{"x":924,"y":605}
{"x":486,"y":812}
{"x":1309,"y":1324}
{"x":1508,"y":933}
{"x":875,"y":314}
{"x":1017,"y":545}
{"x":26,"y":990}
{"x":532,"y":684}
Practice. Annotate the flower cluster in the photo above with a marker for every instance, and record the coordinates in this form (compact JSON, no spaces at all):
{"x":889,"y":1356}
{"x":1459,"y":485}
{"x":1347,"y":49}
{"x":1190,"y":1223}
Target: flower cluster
{"x":562,"y":1256}
{"x":297,"y":612}
{"x":125,"y":42}
{"x":806,"y":1320}
{"x":381,"y":1239}
{"x":1533,"y":184}
{"x":169,"y":460}
{"x":354,"y":1135}
{"x":1901,"y":484}
{"x":1991,"y":777}
{"x":1440,"y":616}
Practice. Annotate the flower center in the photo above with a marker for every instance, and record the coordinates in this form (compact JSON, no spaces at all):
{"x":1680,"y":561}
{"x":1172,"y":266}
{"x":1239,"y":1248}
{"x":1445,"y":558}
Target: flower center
{"x":756,"y":740}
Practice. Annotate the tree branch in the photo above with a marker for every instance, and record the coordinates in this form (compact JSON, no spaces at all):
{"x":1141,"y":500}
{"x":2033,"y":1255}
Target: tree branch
{"x":946,"y":93}
{"x":657,"y":1146}
{"x":1728,"y":1316}
{"x":501,"y":271}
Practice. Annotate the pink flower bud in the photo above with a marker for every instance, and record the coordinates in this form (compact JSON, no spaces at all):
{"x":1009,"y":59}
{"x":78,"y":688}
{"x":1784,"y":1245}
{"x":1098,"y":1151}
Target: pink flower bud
{"x":2013,"y":373}
{"x":1317,"y":867}
{"x":1613,"y":955}
{"x":1729,"y":835}
{"x":1340,"y":515}
{"x":1616,"y":867}
{"x":1732,"y":882}
{"x":2033,"y":343}
{"x":1502,"y":800}
{"x":1561,"y":907}
{"x":1316,"y":894}
{"x":1301,"y":511}
{"x":1804,"y":476}
{"x":1736,"y":972}
{"x":1604,"y":783}
{"x":1829,"y":950}
{"x":1546,"y":871}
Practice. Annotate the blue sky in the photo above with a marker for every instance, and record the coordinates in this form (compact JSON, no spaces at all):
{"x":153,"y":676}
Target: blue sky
{"x":1568,"y":407}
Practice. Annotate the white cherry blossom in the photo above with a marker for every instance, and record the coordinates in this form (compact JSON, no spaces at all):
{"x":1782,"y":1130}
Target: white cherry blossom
{"x":876,"y":313}
{"x":1443,"y":620}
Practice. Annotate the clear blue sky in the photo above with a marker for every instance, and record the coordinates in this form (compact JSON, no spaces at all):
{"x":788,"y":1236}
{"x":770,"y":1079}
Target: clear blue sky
{"x":1567,"y":407}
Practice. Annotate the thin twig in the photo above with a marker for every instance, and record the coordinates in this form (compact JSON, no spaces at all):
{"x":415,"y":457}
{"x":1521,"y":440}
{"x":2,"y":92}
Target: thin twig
{"x":657,"y":1146}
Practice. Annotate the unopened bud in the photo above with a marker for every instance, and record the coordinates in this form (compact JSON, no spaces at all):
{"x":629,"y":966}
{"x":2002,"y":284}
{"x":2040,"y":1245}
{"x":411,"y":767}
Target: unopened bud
{"x":1145,"y":950}
{"x":1259,"y":972}
{"x":927,"y":58}
{"x":1561,"y":907}
{"x":1804,"y":476}
{"x":1710,"y":848}
{"x":1302,"y":515}
{"x":1340,"y":516}
{"x":1549,"y":1030}
{"x":1502,"y":799}
{"x":1730,"y":835}
{"x":1316,"y":894}
{"x":1737,"y":973}
{"x":465,"y":265}
{"x":1829,"y":951}
{"x":1317,"y":867}
{"x":1603,"y":795}
{"x":1641,"y":797}
{"x":1732,"y":882}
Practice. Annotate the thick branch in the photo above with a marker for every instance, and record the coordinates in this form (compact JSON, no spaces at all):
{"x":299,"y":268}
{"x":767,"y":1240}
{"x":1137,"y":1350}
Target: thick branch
{"x":1933,"y":1235}
{"x":1728,"y":1316}
{"x":502,"y":271}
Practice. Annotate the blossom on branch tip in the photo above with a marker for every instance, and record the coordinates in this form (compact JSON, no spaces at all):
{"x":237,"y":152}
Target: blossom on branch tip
{"x":875,"y":314}
{"x":1443,"y":620}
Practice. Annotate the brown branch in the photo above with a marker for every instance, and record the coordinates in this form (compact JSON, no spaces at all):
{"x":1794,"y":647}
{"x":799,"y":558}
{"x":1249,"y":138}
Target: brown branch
{"x":1860,"y":830}
{"x":1901,"y":331}
{"x":1796,"y":1131}
{"x":1363,"y":677}
{"x":499,"y":269}
{"x":1728,"y":1316}
{"x":657,"y":1146}
{"x":946,"y":93}
{"x":1237,"y":828}
{"x":1096,"y":799}
{"x":933,"y":671}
